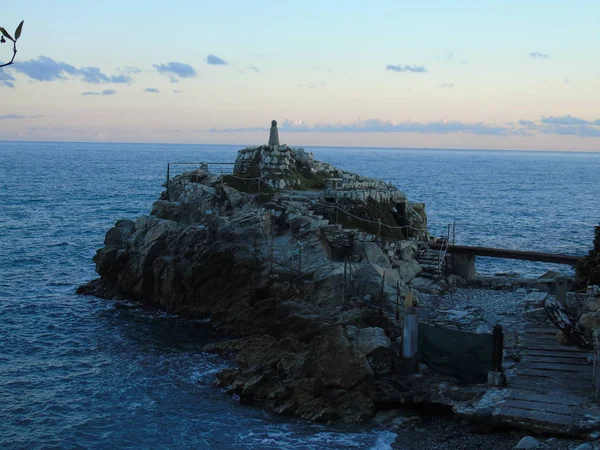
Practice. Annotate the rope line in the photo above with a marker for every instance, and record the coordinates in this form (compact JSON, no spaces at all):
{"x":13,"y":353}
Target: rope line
{"x":291,"y":191}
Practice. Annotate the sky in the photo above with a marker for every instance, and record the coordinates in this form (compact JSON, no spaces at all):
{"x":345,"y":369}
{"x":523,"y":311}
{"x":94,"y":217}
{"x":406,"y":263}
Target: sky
{"x":473,"y":74}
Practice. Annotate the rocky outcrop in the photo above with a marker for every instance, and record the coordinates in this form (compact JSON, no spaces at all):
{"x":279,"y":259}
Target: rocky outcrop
{"x":316,"y":301}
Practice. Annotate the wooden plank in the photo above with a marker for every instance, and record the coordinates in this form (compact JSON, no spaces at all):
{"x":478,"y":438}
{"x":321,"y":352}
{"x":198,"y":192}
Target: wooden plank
{"x":542,"y":331}
{"x":557,"y":360}
{"x":574,"y":355}
{"x":564,"y":367}
{"x":554,"y":375}
{"x":533,"y":417}
{"x":554,"y":408}
{"x":529,"y":397}
{"x":554,"y":348}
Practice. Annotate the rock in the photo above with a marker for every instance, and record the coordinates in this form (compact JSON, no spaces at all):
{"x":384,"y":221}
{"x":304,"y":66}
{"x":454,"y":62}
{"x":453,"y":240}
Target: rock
{"x":590,"y":321}
{"x":374,"y":254}
{"x":563,"y":339}
{"x":408,"y":250}
{"x":340,"y":354}
{"x":209,"y":250}
{"x":584,"y":446}
{"x":491,"y":318}
{"x":527,"y":442}
{"x":428,"y":286}
{"x":521,"y":291}
{"x":591,"y":304}
{"x":235,"y":198}
{"x":549,"y":275}
{"x":408,"y":270}
{"x":456,"y":281}
{"x":535,"y":300}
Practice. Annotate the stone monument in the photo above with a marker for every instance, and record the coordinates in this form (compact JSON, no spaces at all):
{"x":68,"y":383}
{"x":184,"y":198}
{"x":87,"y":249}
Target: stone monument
{"x":274,"y":135}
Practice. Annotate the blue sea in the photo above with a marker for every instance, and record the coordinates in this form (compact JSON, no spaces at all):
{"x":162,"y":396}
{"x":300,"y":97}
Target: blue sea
{"x":81,"y":372}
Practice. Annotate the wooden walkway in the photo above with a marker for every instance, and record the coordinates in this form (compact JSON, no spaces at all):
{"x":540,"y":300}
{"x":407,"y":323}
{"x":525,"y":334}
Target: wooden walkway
{"x":510,"y":254}
{"x":548,"y":391}
{"x":546,"y":366}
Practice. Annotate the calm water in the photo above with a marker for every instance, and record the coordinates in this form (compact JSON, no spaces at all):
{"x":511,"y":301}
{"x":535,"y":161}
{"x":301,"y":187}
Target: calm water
{"x":84,"y":372}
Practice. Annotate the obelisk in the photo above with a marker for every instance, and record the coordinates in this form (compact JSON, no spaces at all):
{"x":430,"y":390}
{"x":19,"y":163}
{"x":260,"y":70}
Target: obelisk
{"x":274,"y":134}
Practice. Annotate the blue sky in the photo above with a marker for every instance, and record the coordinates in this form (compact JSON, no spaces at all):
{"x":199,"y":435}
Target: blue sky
{"x":447,"y":74}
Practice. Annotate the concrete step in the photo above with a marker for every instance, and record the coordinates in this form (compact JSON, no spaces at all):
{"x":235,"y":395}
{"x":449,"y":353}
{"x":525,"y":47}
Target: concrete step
{"x":433,"y":260}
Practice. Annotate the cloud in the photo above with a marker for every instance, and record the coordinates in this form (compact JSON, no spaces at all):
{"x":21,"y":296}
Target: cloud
{"x":47,"y":69}
{"x":248,"y":69}
{"x":567,"y":125}
{"x":215,"y":61}
{"x":380,"y":126}
{"x":152,"y":90}
{"x":19,"y":116}
{"x":6,"y":79}
{"x":93,"y":75}
{"x":564,"y":120}
{"x":130,"y":69}
{"x":105,"y":92}
{"x":562,"y":125}
{"x":177,"y":91}
{"x":538,"y":55}
{"x":447,"y":85}
{"x":176,"y":70}
{"x":529,"y":124}
{"x":572,"y":130}
{"x":399,"y":68}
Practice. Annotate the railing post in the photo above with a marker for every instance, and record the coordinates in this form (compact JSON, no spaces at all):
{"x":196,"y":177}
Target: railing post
{"x":596,"y":369}
{"x":410,"y":340}
{"x":168,"y":178}
{"x":299,"y":262}
{"x":496,"y":376}
{"x":344,"y":284}
{"x":453,"y":233}
{"x":271,"y":271}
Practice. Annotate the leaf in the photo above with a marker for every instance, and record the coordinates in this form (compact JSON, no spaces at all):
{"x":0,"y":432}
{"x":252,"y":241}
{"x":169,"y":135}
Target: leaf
{"x":5,"y":33}
{"x":18,"y":30}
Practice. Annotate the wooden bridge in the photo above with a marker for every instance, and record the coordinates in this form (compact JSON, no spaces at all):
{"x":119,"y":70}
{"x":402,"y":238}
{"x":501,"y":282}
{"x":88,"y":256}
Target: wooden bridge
{"x":463,"y":257}
{"x":509,"y":254}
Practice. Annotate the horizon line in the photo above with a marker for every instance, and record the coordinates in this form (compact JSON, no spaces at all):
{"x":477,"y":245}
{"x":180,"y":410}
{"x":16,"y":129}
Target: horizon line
{"x":307,"y":146}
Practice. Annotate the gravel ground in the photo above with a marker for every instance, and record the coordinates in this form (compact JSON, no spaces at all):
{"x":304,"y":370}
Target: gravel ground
{"x":498,"y":302}
{"x":441,"y":433}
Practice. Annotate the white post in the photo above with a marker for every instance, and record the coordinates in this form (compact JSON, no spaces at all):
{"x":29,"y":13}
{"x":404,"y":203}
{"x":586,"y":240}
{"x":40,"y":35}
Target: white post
{"x":410,"y":339}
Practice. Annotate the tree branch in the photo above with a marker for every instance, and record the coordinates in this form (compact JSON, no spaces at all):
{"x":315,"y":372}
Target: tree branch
{"x":13,"y":56}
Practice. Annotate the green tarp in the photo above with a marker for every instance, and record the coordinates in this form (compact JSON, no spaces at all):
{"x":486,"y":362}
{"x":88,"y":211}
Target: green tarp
{"x":465,"y":356}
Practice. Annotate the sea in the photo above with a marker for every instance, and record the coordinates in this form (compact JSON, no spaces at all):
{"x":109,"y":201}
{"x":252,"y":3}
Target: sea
{"x":82,"y":372}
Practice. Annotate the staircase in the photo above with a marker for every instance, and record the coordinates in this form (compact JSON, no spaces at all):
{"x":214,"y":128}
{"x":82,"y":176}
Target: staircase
{"x":432,"y":262}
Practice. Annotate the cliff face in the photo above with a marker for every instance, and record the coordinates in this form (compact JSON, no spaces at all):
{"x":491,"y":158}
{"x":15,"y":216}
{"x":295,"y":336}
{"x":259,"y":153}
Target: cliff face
{"x":321,"y":333}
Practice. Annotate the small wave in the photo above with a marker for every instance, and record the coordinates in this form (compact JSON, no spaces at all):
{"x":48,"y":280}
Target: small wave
{"x":384,"y":440}
{"x":59,"y":244}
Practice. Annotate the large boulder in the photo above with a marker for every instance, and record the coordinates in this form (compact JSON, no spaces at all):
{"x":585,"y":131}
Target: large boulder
{"x":342,"y":355}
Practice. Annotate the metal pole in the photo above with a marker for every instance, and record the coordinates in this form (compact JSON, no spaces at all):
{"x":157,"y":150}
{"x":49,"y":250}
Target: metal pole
{"x":397,"y":300}
{"x":168,"y":177}
{"x":271,"y":250}
{"x":299,"y":261}
{"x":498,"y":348}
{"x":344,"y":285}
{"x":453,"y":233}
{"x":410,"y":340}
